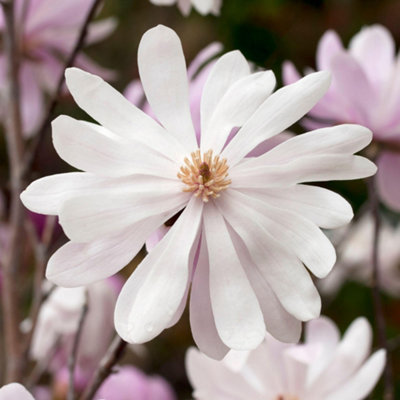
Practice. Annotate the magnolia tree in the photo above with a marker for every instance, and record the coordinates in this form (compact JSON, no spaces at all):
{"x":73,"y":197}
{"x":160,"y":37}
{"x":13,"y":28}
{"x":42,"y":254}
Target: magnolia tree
{"x":193,"y":176}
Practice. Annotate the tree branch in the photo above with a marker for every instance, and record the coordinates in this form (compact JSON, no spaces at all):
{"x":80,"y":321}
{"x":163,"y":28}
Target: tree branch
{"x":38,"y":138}
{"x":375,"y":287}
{"x":13,"y":133}
{"x":113,"y":355}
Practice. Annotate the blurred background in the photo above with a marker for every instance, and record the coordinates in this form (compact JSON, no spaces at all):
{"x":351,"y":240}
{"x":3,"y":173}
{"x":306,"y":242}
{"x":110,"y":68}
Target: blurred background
{"x":268,"y":32}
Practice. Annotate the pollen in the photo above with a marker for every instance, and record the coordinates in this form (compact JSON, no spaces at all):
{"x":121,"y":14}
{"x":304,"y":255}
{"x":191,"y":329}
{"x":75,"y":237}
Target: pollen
{"x":205,"y":175}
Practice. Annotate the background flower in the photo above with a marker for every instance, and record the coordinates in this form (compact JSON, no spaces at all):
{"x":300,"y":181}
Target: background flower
{"x":202,"y":6}
{"x":46,"y":33}
{"x":323,"y":368}
{"x":365,"y":90}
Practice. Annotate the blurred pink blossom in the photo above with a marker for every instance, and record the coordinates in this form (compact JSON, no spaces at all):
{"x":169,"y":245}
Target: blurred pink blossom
{"x":130,"y":383}
{"x":47,"y":31}
{"x":58,"y":321}
{"x":355,"y":257}
{"x":202,"y":6}
{"x":323,"y":368}
{"x":365,"y":90}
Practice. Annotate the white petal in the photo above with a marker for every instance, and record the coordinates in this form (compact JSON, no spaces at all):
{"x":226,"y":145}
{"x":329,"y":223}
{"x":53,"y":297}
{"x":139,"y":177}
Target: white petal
{"x":240,"y":101}
{"x":319,"y":168}
{"x":163,"y":74}
{"x":341,"y":139}
{"x":237,"y":314}
{"x":92,"y":148}
{"x":279,"y":323}
{"x":348,"y":357}
{"x":46,"y":195}
{"x":152,"y":295}
{"x":281,"y":110}
{"x":88,"y":217}
{"x":202,"y":321}
{"x":325,"y":208}
{"x":108,"y":107}
{"x":77,"y":264}
{"x":363,"y":381}
{"x":14,"y":391}
{"x":300,"y":235}
{"x":285,"y":274}
{"x":227,"y":70}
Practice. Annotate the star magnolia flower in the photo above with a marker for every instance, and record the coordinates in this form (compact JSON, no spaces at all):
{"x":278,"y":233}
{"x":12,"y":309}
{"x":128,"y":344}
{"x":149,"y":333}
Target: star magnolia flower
{"x":14,"y":391}
{"x":248,"y":222}
{"x":202,"y":6}
{"x":365,"y":90}
{"x":355,"y":257}
{"x":130,"y":382}
{"x":47,"y":31}
{"x":323,"y":368}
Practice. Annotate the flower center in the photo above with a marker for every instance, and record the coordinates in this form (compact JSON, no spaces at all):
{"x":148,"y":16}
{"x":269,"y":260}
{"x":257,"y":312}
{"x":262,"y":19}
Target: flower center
{"x":287,"y":397}
{"x":205,"y":175}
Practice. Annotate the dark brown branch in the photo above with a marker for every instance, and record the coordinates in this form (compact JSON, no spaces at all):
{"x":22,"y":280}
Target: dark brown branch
{"x":32,"y":152}
{"x":74,"y":351}
{"x":113,"y":355}
{"x":375,"y":287}
{"x":15,"y":147}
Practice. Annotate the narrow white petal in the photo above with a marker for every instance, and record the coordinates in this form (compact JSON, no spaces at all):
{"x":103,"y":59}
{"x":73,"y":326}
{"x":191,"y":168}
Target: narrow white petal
{"x":151,"y":296}
{"x":279,"y":323}
{"x":281,"y":110}
{"x":202,"y":322}
{"x":348,"y":357}
{"x":227,"y":70}
{"x":322,"y":206}
{"x":163,"y":74}
{"x":285,"y":274}
{"x":77,"y":264}
{"x":92,"y":148}
{"x":240,"y":101}
{"x":112,"y":110}
{"x":88,"y":217}
{"x":319,"y":168}
{"x":46,"y":195}
{"x":340,"y":140}
{"x":363,"y":381}
{"x":14,"y":391}
{"x":237,"y":314}
{"x":300,"y":235}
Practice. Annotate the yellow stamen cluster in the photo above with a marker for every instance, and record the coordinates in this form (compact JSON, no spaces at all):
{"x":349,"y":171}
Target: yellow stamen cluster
{"x":205,"y":175}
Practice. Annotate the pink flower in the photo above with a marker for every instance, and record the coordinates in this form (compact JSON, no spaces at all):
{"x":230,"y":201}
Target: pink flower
{"x":47,"y":31}
{"x":365,"y":90}
{"x":237,"y":211}
{"x":355,"y":257}
{"x":202,"y":6}
{"x":323,"y":368}
{"x":58,"y":322}
{"x":130,"y":383}
{"x":14,"y":391}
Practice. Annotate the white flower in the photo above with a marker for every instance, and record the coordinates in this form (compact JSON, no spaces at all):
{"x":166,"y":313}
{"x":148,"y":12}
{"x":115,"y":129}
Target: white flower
{"x":251,"y":221}
{"x":202,"y":6}
{"x":323,"y":368}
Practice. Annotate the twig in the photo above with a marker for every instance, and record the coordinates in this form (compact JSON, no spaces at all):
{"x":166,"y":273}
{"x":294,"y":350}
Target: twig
{"x":40,"y":249}
{"x":74,"y":351}
{"x":15,"y":151}
{"x":32,"y":152}
{"x":112,"y":356}
{"x":376,"y":296}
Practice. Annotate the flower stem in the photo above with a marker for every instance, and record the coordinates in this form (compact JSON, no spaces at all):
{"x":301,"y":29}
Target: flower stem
{"x":375,"y":287}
